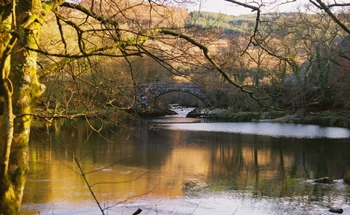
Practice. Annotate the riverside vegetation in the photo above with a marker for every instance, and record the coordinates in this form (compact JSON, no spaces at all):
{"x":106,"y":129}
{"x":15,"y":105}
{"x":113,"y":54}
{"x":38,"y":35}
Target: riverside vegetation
{"x":327,"y":118}
{"x":311,"y":87}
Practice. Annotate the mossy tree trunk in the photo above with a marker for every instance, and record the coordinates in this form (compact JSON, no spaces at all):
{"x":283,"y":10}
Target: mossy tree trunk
{"x":20,"y":24}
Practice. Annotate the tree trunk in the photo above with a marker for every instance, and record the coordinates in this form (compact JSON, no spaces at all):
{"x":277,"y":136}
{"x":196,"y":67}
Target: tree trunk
{"x":19,"y":88}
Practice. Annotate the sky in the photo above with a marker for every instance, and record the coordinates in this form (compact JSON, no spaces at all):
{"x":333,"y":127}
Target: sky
{"x":221,"y":6}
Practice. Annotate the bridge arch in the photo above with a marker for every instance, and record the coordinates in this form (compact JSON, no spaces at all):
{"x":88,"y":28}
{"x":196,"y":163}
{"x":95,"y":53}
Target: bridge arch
{"x":148,"y":92}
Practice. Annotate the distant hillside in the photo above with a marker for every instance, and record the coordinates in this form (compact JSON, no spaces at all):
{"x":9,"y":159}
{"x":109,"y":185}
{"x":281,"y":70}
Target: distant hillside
{"x":227,"y":23}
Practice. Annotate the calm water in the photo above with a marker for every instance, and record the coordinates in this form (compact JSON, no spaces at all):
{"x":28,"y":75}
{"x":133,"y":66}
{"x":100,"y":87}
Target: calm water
{"x":188,"y":167}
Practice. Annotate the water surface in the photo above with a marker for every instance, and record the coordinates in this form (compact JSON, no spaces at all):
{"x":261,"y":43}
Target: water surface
{"x":187,"y":168}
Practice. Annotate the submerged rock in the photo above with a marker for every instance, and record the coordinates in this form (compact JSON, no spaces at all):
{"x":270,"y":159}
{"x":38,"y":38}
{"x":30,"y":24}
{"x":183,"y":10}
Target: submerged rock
{"x":189,"y":185}
{"x":325,"y":180}
{"x":336,"y":210}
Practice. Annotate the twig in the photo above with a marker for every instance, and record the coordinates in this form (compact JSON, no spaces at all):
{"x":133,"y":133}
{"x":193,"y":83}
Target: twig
{"x":235,"y":210}
{"x":137,"y":212}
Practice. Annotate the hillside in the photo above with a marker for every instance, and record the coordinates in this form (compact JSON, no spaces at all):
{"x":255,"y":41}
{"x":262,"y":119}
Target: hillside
{"x":227,"y":23}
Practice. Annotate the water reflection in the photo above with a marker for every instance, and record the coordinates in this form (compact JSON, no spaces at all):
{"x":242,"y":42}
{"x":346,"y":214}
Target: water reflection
{"x":180,"y":170}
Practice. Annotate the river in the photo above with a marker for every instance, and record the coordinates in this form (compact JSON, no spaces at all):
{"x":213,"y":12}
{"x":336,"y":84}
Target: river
{"x":176,"y":165}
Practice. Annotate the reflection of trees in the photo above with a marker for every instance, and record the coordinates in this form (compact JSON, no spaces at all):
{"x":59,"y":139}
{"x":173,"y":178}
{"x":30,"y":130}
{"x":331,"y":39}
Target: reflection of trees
{"x":62,"y":135}
{"x":274,"y":166}
{"x":264,"y":166}
{"x":227,"y":159}
{"x":110,"y":161}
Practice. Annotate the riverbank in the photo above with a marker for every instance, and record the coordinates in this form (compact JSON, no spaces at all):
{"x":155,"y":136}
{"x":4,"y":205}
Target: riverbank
{"x":120,"y":117}
{"x":326,"y":118}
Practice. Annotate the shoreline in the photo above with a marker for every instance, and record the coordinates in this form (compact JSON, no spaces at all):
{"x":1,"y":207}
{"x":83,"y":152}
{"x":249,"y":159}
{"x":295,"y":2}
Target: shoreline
{"x":325,"y":118}
{"x":117,"y":117}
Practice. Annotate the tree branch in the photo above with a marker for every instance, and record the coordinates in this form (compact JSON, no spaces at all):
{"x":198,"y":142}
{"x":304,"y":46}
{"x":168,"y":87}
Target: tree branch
{"x":205,"y":51}
{"x":323,"y":6}
{"x":99,"y":18}
{"x":254,"y":8}
{"x":257,"y":19}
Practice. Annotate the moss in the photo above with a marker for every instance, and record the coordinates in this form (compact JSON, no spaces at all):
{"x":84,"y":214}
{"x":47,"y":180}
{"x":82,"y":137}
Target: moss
{"x":8,"y":203}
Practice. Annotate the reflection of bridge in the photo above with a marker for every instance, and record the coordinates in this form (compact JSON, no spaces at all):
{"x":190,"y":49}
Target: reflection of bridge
{"x":148,"y":92}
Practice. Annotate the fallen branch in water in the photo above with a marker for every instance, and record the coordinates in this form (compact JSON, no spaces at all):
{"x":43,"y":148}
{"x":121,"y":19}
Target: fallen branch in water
{"x":137,"y":212}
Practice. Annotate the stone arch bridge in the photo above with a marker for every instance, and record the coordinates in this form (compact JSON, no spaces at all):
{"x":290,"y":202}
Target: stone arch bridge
{"x":148,"y":92}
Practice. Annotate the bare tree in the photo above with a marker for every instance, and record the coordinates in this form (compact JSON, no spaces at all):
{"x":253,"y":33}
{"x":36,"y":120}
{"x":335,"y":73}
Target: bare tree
{"x":300,"y":38}
{"x":86,"y":30}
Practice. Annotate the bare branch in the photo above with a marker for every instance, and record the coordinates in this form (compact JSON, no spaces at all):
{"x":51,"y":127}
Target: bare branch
{"x":254,"y":8}
{"x":257,"y":20}
{"x":339,"y":5}
{"x":205,"y":51}
{"x":99,"y":18}
{"x":321,"y":5}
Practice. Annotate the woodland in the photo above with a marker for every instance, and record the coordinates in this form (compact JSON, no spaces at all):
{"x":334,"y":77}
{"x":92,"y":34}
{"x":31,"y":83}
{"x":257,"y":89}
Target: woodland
{"x":286,"y":62}
{"x":85,"y":59}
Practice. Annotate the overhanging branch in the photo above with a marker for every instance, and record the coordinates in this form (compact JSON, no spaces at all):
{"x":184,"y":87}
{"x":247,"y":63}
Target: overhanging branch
{"x":257,"y":19}
{"x":321,"y":5}
{"x":206,"y":54}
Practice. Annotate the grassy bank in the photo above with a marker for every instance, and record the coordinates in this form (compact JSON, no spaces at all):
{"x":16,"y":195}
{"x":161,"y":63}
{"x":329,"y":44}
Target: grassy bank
{"x":324,"y":119}
{"x":321,"y":118}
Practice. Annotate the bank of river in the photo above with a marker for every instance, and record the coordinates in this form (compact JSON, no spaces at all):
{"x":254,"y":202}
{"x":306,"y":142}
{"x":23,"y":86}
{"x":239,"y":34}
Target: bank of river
{"x":113,"y":116}
{"x":320,"y":118}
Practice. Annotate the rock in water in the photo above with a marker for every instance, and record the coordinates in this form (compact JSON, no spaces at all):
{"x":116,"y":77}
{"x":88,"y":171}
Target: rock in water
{"x":325,"y":180}
{"x":336,"y":210}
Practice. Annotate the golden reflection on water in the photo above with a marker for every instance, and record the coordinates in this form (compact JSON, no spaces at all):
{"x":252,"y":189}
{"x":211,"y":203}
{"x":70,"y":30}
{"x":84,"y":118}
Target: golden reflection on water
{"x":59,"y":179}
{"x":161,"y":164}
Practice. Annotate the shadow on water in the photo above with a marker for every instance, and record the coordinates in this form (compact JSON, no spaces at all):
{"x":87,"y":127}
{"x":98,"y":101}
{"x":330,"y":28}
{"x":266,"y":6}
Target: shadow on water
{"x":183,"y":171}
